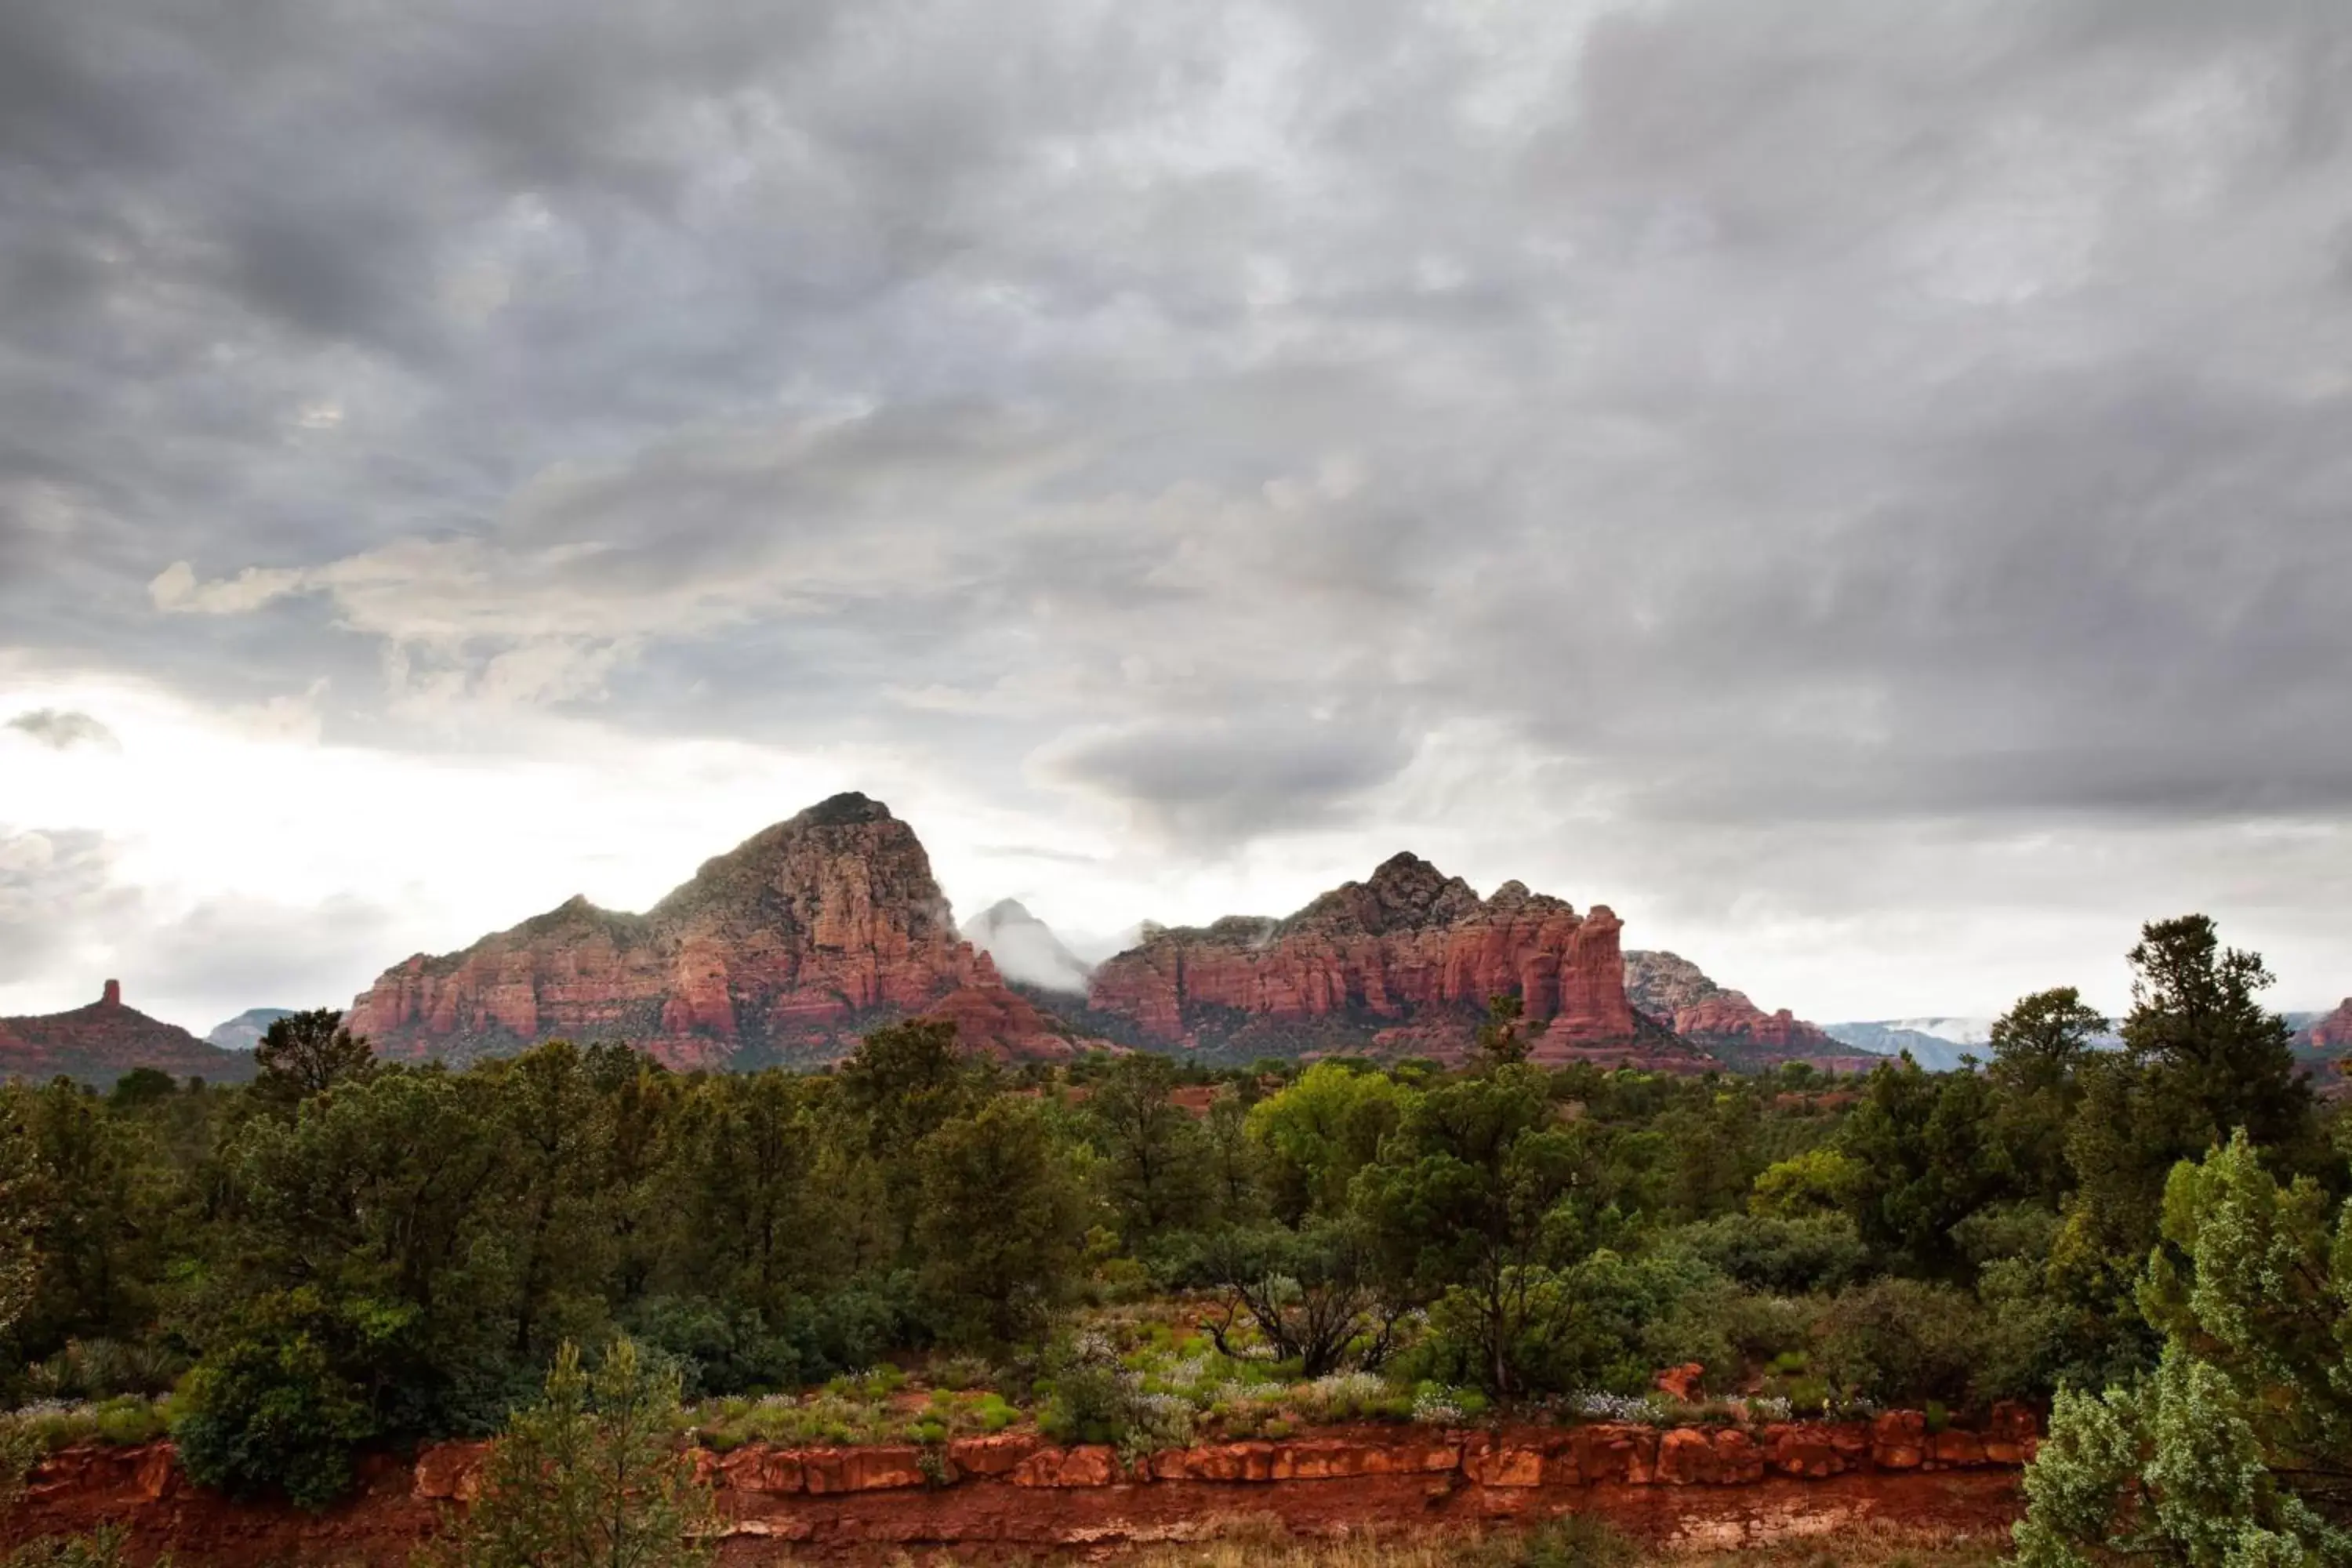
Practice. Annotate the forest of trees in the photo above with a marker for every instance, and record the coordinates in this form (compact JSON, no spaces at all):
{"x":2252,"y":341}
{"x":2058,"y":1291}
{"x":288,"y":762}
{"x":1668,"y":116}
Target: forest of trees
{"x":352,"y":1254}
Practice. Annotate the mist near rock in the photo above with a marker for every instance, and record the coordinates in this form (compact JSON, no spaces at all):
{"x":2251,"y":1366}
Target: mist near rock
{"x":1025,"y":948}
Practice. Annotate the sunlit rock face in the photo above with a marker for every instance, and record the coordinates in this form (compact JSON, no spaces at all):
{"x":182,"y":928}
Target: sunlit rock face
{"x":784,"y":948}
{"x":1406,"y":960}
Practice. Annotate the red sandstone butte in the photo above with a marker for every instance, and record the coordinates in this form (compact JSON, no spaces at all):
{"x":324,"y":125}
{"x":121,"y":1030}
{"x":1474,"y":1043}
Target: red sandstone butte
{"x":1409,"y":947}
{"x":785,"y":947}
{"x":1671,"y":989}
{"x":99,"y":1042}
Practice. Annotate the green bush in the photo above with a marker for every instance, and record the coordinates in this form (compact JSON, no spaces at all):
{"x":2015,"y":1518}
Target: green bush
{"x":1901,"y":1342}
{"x":272,"y":1412}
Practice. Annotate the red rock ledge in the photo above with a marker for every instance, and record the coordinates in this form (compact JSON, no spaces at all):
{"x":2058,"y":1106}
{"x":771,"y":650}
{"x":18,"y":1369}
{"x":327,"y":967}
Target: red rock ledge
{"x":1721,"y":1486}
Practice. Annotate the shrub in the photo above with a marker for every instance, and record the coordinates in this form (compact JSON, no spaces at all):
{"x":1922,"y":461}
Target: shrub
{"x":270,"y":1411}
{"x":1781,"y":1254}
{"x":1901,"y":1341}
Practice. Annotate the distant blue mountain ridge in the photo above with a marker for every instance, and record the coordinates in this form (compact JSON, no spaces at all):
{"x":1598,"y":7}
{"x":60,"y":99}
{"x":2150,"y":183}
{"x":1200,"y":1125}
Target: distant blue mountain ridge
{"x":1938,"y":1044}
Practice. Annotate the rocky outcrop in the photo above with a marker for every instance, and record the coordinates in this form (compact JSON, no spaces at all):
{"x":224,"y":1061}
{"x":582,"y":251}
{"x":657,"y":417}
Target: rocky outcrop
{"x":1717,"y":1487}
{"x":1405,"y":960}
{"x":1672,"y":990}
{"x":2332,"y":1033}
{"x":784,"y":948}
{"x":99,"y":1043}
{"x":1025,"y":949}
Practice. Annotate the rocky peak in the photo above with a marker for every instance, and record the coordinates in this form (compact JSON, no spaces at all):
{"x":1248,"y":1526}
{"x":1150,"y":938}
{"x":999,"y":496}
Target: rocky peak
{"x":841,"y":860}
{"x":846,"y":809}
{"x":793,"y":942}
{"x":1405,"y":893}
{"x":1675,"y":991}
{"x":1661,"y":983}
{"x":1409,"y":947}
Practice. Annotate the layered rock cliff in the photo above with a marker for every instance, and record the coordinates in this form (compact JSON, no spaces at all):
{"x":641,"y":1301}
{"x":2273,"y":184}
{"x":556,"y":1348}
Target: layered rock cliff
{"x":1674,"y":991}
{"x":784,"y":948}
{"x":99,"y":1043}
{"x":1405,"y":960}
{"x":2332,"y":1033}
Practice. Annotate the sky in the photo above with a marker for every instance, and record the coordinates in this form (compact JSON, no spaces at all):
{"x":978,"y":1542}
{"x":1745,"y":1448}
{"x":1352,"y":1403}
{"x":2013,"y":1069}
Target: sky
{"x":1865,"y":491}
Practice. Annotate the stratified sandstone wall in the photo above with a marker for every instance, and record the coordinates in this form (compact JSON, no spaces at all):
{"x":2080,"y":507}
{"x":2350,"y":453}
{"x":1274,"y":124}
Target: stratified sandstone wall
{"x":1712,"y":1486}
{"x":1407,"y":940}
{"x":784,"y":943}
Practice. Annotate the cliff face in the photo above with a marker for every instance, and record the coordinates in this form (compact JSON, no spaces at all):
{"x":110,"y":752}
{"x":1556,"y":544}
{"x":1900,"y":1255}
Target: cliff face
{"x":99,"y":1043}
{"x":784,"y":948}
{"x":1410,"y":954}
{"x":2334,"y":1032}
{"x":1671,"y":989}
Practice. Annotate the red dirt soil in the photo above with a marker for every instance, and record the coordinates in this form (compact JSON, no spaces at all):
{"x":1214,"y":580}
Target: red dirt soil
{"x":1017,"y":1496}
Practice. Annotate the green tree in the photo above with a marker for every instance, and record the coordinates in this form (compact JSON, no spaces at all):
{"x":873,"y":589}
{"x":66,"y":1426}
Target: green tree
{"x":2039,"y":1048}
{"x":1462,"y":1205}
{"x":593,"y":1476}
{"x":304,"y":1053}
{"x":1001,"y":1223}
{"x":902,"y":1083}
{"x":2237,"y":1450}
{"x":1923,"y":1159}
{"x":381,"y":1206}
{"x":281,"y":1404}
{"x":94,"y":1200}
{"x":1155,"y":1162}
{"x":1322,"y":1130}
{"x":552,"y":1129}
{"x":2201,"y":1058}
{"x":746,"y":1156}
{"x":2219,"y":1060}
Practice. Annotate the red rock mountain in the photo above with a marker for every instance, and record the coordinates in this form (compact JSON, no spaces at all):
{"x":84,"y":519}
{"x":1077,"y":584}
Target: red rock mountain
{"x":1404,"y":961}
{"x":785,"y":949}
{"x":99,"y":1043}
{"x":1671,"y":989}
{"x":2334,"y":1032}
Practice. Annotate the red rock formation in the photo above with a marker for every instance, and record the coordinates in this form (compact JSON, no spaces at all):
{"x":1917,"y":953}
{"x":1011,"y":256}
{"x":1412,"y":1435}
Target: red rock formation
{"x":99,"y":1043}
{"x":785,"y":947}
{"x":1409,"y":946}
{"x":1016,"y":1495}
{"x":2333,"y":1033}
{"x":1671,"y":989}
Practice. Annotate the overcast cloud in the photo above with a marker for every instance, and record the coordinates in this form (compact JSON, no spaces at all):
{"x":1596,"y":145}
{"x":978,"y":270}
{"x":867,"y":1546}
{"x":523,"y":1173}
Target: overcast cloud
{"x":1864,"y":490}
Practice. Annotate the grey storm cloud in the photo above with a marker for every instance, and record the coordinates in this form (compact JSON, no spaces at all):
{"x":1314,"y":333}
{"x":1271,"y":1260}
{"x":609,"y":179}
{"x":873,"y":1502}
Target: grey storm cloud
{"x":62,"y":728}
{"x":1771,"y":413}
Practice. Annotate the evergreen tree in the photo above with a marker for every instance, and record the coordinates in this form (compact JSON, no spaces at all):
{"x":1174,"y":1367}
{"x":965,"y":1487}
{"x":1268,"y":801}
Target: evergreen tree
{"x":2220,"y":1062}
{"x":305,"y":1054}
{"x":2237,"y":1451}
{"x":593,"y":1476}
